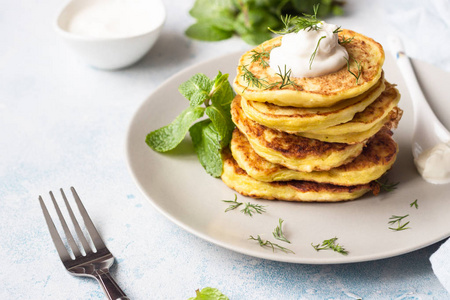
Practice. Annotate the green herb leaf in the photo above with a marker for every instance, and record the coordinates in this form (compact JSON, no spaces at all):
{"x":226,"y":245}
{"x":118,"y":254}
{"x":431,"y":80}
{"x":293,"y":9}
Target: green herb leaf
{"x":313,"y":55}
{"x":222,"y":93}
{"x":223,"y":125}
{"x":233,"y":203}
{"x":196,"y":89}
{"x":415,"y":204}
{"x":168,"y":137}
{"x":261,"y":57}
{"x":250,"y":19}
{"x":330,"y":245}
{"x":252,"y":79}
{"x":387,"y":186}
{"x":285,"y":80}
{"x":278,"y":232}
{"x":206,"y":9}
{"x":206,"y":31}
{"x":398,"y":219}
{"x":209,"y":136}
{"x":209,"y":293}
{"x":358,"y":66}
{"x":269,"y":244}
{"x":219,"y":111}
{"x":250,"y":209}
{"x":206,"y":142}
{"x":296,"y":23}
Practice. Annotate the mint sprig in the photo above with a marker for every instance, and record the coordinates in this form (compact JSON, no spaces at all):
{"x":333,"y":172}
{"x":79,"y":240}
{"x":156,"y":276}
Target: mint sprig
{"x":217,"y":20}
{"x":206,"y":96}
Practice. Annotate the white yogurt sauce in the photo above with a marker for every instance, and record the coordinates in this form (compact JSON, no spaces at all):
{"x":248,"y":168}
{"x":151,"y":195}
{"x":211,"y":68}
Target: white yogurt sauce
{"x":115,"y":18}
{"x":296,"y":50}
{"x":434,"y":164}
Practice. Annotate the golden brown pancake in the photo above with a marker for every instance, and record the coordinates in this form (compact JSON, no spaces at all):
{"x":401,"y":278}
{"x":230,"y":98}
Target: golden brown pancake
{"x":304,"y":191}
{"x":297,"y":119}
{"x":390,"y":122}
{"x":377,"y":157}
{"x":373,"y":113}
{"x":320,"y":91}
{"x":290,"y":150}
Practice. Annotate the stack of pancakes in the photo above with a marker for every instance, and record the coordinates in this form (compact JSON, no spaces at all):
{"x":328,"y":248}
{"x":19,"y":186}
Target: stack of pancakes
{"x":325,"y":138}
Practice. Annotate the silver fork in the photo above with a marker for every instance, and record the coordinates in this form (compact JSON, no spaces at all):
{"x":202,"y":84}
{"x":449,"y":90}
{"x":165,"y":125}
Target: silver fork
{"x":94,"y":262}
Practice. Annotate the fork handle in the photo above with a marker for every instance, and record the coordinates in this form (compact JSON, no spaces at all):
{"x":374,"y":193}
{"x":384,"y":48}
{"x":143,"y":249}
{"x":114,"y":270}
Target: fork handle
{"x":110,"y":287}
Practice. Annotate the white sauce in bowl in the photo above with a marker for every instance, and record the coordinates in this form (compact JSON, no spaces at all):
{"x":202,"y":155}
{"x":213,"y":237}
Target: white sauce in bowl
{"x":115,"y":18}
{"x":434,"y":164}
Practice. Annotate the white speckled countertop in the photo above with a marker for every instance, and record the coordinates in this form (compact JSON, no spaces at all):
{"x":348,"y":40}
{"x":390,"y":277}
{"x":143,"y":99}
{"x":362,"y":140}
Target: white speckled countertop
{"x":64,"y":124}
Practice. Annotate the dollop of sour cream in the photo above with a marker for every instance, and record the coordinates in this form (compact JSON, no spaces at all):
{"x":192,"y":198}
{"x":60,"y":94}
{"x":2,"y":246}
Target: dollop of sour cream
{"x":297,"y":48}
{"x":115,"y":18}
{"x":434,"y":164}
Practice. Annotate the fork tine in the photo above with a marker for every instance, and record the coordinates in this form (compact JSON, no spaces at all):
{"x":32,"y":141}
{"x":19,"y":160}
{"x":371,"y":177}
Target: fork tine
{"x":96,"y":239}
{"x":62,"y":251}
{"x":72,"y":244}
{"x":78,"y":230}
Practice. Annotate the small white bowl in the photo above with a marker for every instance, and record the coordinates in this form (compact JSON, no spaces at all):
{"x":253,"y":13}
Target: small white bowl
{"x":111,"y":51}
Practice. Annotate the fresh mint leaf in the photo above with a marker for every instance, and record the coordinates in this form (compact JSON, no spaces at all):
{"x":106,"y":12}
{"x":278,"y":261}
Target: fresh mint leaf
{"x":196,"y":89}
{"x":224,"y":22}
{"x":221,"y":120}
{"x":220,"y":19}
{"x":255,"y":38}
{"x":209,"y":293}
{"x":206,"y":31}
{"x":168,"y":137}
{"x":206,"y":9}
{"x":219,"y":111}
{"x":209,"y":136}
{"x":206,"y":142}
{"x":222,"y":93}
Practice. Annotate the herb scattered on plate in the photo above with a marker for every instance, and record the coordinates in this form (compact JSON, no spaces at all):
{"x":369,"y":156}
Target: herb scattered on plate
{"x":330,"y":245}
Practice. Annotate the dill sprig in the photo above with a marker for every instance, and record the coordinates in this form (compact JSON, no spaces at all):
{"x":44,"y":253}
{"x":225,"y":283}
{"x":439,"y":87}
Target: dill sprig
{"x":233,"y":203}
{"x":285,"y":79}
{"x":345,"y":40}
{"x":313,"y":55}
{"x":358,"y":65}
{"x":296,"y":23}
{"x":268,"y":243}
{"x":250,"y":209}
{"x":260,"y":57}
{"x":262,"y":83}
{"x":398,"y":219}
{"x":337,"y":30}
{"x":330,"y":245}
{"x":415,"y":204}
{"x":387,"y":186}
{"x":251,"y":78}
{"x":278,"y":232}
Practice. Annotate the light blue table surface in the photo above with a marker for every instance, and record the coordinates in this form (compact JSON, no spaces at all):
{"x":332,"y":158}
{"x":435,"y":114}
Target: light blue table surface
{"x":64,"y":124}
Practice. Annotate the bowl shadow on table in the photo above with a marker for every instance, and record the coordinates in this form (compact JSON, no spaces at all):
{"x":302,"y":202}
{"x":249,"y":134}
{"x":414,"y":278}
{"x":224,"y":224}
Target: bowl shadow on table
{"x":171,"y":48}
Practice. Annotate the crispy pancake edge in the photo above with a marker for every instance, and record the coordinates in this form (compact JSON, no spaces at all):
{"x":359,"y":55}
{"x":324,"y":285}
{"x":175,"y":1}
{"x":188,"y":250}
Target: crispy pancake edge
{"x":377,"y":157}
{"x":292,"y":151}
{"x":300,"y":191}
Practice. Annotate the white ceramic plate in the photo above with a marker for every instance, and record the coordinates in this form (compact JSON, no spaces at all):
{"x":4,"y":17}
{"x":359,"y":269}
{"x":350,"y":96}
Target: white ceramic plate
{"x":181,"y":190}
